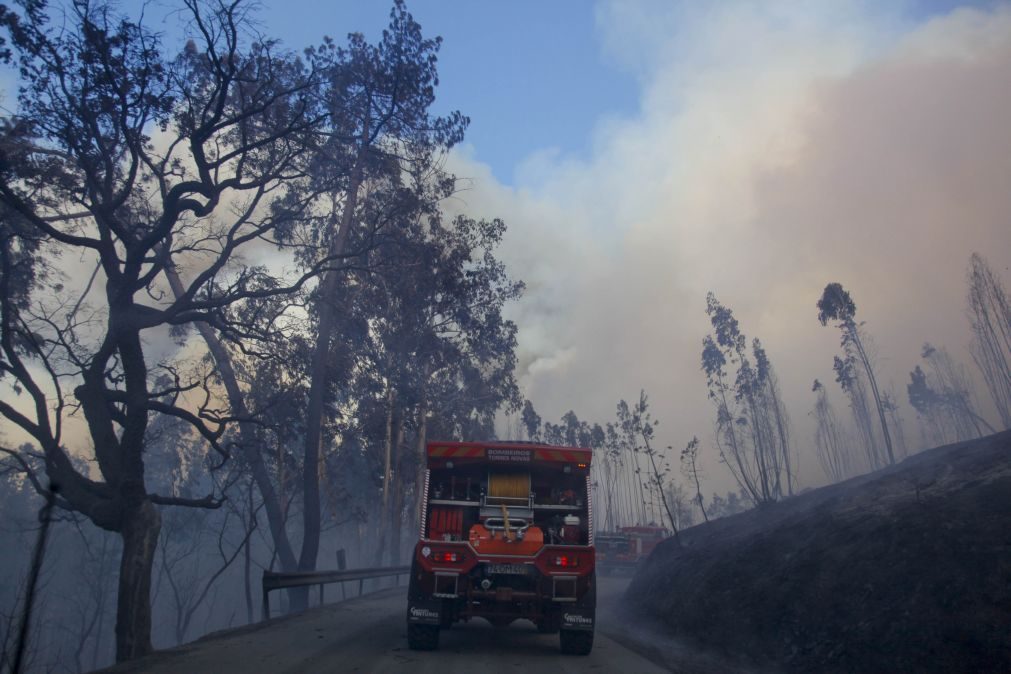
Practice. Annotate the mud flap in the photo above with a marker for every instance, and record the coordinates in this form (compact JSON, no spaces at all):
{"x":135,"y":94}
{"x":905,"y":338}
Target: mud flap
{"x":422,"y":612}
{"x":577,"y":618}
{"x":582,"y":614}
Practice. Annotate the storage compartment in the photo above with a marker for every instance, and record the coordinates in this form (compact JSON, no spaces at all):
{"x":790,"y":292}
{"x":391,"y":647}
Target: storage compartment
{"x":446,"y":524}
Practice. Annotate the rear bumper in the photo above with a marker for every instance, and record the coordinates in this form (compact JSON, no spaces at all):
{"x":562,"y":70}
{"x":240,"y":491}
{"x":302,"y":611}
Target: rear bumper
{"x":441,"y":597}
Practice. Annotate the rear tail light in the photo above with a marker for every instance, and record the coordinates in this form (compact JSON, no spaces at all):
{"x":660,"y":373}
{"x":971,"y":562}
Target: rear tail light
{"x":566,"y":560}
{"x":447,"y":557}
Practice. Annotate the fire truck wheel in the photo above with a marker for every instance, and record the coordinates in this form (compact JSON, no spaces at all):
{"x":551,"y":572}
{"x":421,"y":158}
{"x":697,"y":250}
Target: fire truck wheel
{"x":575,"y":642}
{"x":422,"y":637}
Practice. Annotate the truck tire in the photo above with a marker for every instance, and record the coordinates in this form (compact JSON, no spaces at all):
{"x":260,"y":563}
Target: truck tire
{"x":575,"y":642}
{"x":422,"y":637}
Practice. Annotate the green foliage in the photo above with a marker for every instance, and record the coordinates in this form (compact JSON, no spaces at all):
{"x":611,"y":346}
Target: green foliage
{"x":835,"y":305}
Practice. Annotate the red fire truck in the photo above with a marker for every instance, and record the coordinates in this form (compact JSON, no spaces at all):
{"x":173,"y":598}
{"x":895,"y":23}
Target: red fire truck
{"x":506,"y":533}
{"x":623,"y":550}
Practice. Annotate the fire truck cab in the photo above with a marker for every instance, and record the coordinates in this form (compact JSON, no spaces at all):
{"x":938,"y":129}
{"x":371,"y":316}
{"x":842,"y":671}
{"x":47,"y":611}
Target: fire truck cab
{"x":506,"y":533}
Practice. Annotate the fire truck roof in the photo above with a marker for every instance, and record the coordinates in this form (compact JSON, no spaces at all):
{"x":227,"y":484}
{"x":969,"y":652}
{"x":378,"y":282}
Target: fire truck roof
{"x":507,"y":452}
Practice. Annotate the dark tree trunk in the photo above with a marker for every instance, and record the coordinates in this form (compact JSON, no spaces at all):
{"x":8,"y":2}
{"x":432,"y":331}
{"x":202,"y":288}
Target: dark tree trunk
{"x":247,"y":435}
{"x":318,"y":380}
{"x":384,"y":519}
{"x":247,"y":559}
{"x":397,"y":516}
{"x":251,"y":450}
{"x":874,"y":391}
{"x":420,"y":453}
{"x":140,"y":530}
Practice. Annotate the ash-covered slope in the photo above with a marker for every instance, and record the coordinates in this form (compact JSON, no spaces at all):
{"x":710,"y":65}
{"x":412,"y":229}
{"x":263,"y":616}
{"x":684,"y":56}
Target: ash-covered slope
{"x":904,"y":570}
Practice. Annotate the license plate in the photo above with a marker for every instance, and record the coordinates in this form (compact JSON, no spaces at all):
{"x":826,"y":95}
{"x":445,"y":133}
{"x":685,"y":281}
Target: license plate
{"x":516,"y":569}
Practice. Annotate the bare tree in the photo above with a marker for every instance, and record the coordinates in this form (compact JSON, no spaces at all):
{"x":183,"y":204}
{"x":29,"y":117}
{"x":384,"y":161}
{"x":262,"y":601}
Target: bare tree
{"x":689,"y":466}
{"x":942,"y":397}
{"x":89,"y":607}
{"x":134,"y":163}
{"x":830,"y":441}
{"x":990,"y":319}
{"x":890,"y":401}
{"x":186,"y":538}
{"x":752,"y":427}
{"x":639,"y":426}
{"x":776,"y":415}
{"x":851,"y":380}
{"x":682,"y":505}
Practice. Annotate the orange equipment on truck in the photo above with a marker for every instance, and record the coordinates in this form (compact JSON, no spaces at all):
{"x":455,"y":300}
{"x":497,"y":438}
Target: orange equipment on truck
{"x":506,"y":533}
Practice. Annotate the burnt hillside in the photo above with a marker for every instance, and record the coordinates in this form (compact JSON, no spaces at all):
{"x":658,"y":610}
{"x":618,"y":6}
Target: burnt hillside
{"x":906,"y":569}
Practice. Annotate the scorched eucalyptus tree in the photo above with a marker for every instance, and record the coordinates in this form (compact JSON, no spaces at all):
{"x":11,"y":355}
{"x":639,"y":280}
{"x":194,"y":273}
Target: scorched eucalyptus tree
{"x":752,"y":427}
{"x":837,"y":305}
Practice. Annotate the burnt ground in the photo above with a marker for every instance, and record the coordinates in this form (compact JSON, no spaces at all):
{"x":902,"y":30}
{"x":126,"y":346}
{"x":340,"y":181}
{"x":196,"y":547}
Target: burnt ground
{"x":907,"y":569}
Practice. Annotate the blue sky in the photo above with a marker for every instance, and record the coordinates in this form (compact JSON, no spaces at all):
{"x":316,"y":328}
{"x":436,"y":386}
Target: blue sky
{"x":531,"y":75}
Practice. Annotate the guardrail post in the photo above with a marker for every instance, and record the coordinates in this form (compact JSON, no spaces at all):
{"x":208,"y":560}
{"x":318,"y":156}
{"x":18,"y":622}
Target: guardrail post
{"x":279,"y":581}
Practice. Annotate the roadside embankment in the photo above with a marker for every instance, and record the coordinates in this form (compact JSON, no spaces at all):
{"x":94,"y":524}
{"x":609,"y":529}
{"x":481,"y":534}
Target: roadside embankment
{"x":904,"y":570}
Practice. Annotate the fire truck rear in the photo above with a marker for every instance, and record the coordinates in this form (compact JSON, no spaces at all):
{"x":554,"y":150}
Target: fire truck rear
{"x":506,"y":533}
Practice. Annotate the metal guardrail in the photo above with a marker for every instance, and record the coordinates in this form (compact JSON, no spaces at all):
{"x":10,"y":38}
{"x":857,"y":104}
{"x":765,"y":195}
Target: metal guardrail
{"x":279,"y":581}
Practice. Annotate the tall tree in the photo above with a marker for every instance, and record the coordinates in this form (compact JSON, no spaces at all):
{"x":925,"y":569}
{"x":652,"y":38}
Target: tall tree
{"x":837,"y":305}
{"x":436,"y":348}
{"x":830,"y":440}
{"x":531,"y":421}
{"x":82,"y":177}
{"x":380,"y":130}
{"x":942,"y":397}
{"x":752,"y":427}
{"x":690,"y":468}
{"x":778,"y":419}
{"x":248,"y":436}
{"x":990,"y":320}
{"x":851,"y":380}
